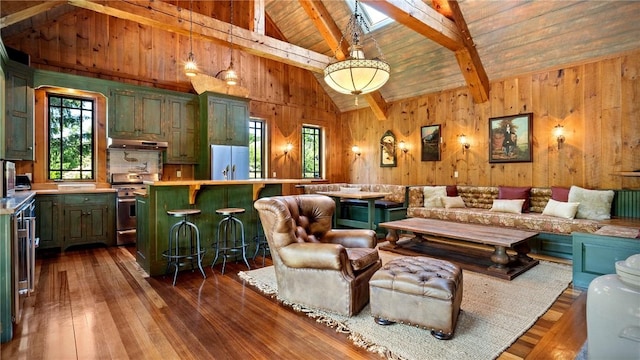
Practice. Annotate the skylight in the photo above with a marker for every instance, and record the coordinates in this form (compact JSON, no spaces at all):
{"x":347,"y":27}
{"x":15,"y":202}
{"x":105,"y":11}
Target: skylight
{"x":374,"y":18}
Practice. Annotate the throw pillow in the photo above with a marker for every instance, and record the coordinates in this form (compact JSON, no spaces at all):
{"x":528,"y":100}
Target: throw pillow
{"x":508,"y":206}
{"x":451,"y":202}
{"x":349,"y":189}
{"x":566,"y":210}
{"x":513,"y":193}
{"x":452,"y":190}
{"x":560,"y":193}
{"x":433,"y":196}
{"x":594,"y":204}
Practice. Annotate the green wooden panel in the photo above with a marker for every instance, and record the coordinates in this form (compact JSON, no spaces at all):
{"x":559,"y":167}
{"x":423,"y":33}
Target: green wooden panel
{"x":151,"y":115}
{"x":142,"y":233}
{"x":19,"y":112}
{"x":595,"y":255}
{"x":557,"y":245}
{"x":89,"y":218}
{"x":122,"y":109}
{"x":5,"y":279}
{"x":48,"y":225}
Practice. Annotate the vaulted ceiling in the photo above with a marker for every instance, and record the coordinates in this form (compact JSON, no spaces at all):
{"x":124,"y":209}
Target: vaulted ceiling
{"x":433,"y":45}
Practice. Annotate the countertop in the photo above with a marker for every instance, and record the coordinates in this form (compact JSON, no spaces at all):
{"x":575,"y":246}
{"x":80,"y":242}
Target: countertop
{"x":9,"y":205}
{"x":83,"y":191}
{"x":229,"y":182}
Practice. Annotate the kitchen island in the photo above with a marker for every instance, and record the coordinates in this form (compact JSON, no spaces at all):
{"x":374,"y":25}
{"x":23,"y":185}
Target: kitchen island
{"x":153,"y":223}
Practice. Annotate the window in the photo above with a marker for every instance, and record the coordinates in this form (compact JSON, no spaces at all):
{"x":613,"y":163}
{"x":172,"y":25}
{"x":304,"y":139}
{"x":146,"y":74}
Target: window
{"x":256,"y":149}
{"x":71,"y":152}
{"x":311,"y":152}
{"x":374,"y":18}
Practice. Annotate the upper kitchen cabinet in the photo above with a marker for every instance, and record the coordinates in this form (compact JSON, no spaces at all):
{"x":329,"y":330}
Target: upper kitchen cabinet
{"x":226,"y":119}
{"x":182,"y":114}
{"x":136,"y":115}
{"x":19,"y":112}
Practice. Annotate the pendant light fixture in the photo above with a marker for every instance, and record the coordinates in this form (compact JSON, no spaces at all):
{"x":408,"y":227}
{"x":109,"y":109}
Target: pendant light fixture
{"x":190,"y":67}
{"x":357,"y":75}
{"x":230,"y":76}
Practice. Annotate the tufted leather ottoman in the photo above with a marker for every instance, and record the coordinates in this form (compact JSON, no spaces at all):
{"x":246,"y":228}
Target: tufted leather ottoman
{"x":418,"y":291}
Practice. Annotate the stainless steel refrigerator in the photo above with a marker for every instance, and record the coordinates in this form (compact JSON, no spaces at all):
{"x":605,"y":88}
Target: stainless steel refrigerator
{"x":229,"y":162}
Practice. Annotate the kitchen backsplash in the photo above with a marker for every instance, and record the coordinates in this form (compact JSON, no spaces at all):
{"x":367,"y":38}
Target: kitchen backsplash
{"x":134,"y":161}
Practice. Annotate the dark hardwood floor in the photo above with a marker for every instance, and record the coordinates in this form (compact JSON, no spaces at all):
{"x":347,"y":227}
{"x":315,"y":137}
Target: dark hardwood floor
{"x":96,"y":303}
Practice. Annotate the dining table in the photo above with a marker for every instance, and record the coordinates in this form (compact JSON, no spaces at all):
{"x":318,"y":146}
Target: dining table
{"x":369,"y":196}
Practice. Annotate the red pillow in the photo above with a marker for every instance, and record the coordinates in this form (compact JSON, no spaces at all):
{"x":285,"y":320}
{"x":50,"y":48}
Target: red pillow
{"x":513,"y":192}
{"x":560,"y":193}
{"x":452,"y":190}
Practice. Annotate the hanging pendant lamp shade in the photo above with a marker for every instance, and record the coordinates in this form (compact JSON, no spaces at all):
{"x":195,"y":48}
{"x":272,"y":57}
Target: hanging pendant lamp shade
{"x":356,"y":74}
{"x":190,"y":66}
{"x":230,"y":76}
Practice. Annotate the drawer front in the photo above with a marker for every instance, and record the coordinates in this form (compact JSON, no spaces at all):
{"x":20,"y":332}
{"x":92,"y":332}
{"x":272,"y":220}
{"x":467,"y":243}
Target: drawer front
{"x":89,"y":199}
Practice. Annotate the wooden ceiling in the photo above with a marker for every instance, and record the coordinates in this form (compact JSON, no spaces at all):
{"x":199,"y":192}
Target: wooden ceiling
{"x":433,"y":45}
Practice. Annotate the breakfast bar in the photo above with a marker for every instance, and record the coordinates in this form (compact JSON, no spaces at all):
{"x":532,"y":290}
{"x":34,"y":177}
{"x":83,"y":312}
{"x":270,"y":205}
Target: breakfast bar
{"x":153,"y":222}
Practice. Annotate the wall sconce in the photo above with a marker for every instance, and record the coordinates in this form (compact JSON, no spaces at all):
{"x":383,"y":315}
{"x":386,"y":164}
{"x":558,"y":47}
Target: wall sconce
{"x":288,"y":148}
{"x":462,"y":138}
{"x":356,"y":150}
{"x":403,"y":146}
{"x":558,"y":132}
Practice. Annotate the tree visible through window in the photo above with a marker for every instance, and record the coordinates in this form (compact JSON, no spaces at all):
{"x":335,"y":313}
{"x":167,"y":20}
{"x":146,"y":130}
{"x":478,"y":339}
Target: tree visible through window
{"x":71,"y":152}
{"x":256,"y":149}
{"x":311,"y":152}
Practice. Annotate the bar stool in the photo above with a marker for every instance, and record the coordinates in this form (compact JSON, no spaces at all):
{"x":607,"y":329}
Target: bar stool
{"x":227,"y":243}
{"x":261,"y":242}
{"x":184,"y":243}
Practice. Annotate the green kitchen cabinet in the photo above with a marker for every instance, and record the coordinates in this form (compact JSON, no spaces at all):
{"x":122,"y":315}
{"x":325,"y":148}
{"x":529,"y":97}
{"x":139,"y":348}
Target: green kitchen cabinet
{"x":89,"y":218}
{"x":182,"y":116}
{"x":224,"y":120}
{"x":19,"y":103}
{"x":136,"y":115}
{"x":49,"y":215}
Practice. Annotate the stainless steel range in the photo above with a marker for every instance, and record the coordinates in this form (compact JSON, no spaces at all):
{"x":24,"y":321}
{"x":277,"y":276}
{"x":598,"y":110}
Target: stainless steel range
{"x":126,"y":184}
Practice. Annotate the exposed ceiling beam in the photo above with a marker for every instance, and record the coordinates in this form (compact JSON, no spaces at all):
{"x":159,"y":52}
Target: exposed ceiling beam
{"x":332,"y":34}
{"x":452,"y":34}
{"x":422,"y":19}
{"x":258,"y":23}
{"x":469,"y":60}
{"x":28,"y":12}
{"x":171,"y":18}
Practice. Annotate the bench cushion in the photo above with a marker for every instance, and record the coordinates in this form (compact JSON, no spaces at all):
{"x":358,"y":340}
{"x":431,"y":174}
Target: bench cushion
{"x":531,"y":221}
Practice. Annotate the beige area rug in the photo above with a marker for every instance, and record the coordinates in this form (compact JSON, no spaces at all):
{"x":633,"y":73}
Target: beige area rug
{"x":494,"y":314}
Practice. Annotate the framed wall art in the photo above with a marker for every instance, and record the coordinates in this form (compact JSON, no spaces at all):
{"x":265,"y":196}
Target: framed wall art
{"x":430,"y":141}
{"x":388,"y":150}
{"x":511,"y":138}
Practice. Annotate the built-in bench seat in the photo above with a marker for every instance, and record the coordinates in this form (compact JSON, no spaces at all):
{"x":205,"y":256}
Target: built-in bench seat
{"x":391,"y":207}
{"x":555,"y":238}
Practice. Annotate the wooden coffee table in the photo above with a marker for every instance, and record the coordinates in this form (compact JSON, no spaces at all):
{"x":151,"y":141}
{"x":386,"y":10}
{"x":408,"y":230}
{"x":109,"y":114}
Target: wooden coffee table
{"x":498,"y":263}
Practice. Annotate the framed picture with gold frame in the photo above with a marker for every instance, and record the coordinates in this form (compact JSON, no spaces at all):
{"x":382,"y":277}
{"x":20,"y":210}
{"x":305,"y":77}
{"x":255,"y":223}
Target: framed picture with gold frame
{"x":388,"y":150}
{"x":430,"y":136}
{"x":511,"y":138}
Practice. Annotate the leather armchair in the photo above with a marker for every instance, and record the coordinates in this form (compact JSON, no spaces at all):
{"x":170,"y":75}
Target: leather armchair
{"x":315,"y":265}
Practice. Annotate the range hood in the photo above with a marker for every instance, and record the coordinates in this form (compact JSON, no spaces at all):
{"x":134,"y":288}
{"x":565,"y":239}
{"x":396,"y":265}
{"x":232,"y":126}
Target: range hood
{"x":136,"y":144}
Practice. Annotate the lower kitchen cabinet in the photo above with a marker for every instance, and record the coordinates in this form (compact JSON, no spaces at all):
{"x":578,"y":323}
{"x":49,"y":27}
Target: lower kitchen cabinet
{"x":48,"y":215}
{"x":75,"y":219}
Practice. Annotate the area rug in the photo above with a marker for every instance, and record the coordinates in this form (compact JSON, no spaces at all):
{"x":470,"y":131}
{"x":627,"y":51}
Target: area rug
{"x":494,"y":314}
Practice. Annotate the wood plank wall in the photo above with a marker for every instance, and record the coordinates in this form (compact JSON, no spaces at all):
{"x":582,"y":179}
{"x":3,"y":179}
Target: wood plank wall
{"x":598,"y":103}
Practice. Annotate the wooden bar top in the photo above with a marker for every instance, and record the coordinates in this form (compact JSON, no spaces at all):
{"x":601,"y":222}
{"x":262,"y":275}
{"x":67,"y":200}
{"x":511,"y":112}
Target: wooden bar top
{"x":229,"y":182}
